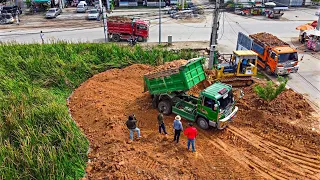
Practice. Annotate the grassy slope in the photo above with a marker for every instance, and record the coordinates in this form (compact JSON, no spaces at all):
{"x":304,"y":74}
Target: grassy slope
{"x":38,"y":139}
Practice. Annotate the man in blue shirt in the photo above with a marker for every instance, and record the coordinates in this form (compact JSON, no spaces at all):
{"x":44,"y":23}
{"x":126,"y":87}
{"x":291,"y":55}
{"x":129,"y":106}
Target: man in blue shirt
{"x":177,"y":126}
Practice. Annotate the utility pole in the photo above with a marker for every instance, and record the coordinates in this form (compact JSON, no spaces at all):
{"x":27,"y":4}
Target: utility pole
{"x":159,"y":21}
{"x":214,"y":34}
{"x":104,"y":20}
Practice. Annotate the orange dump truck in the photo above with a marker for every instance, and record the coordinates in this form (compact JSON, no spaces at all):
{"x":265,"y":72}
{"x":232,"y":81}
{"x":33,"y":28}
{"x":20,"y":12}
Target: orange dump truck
{"x":274,"y":55}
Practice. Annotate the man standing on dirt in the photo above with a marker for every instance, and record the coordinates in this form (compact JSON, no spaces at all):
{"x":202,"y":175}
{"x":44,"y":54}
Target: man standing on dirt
{"x":177,"y":126}
{"x":131,"y":124}
{"x":191,"y":133}
{"x":161,"y":123}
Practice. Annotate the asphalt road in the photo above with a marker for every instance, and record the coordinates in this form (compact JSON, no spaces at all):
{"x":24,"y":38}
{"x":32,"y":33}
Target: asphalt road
{"x":305,"y":82}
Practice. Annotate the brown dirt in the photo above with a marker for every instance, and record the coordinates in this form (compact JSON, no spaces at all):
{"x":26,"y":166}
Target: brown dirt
{"x":266,"y":141}
{"x":169,"y":66}
{"x":119,"y":19}
{"x":268,"y":39}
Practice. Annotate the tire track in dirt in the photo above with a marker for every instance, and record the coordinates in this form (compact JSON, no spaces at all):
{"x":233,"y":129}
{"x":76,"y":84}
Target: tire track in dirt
{"x":273,"y":161}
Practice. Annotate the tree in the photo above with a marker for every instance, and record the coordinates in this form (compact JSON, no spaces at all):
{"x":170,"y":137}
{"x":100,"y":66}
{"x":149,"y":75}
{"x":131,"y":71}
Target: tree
{"x":271,"y":91}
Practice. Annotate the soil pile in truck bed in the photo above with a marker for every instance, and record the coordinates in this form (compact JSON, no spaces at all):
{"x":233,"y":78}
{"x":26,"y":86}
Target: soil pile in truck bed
{"x":119,"y":19}
{"x":268,"y":39}
{"x":169,"y":66}
{"x":265,"y":141}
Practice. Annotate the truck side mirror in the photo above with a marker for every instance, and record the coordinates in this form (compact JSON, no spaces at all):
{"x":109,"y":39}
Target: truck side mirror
{"x":215,"y":107}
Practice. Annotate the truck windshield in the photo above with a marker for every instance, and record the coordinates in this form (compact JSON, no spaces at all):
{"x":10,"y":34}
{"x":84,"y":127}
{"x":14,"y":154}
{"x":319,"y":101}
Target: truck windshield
{"x":288,"y":57}
{"x":224,"y":102}
{"x":141,"y":27}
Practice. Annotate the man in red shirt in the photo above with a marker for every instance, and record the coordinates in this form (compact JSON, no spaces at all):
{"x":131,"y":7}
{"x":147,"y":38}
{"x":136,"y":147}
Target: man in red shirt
{"x":191,"y":133}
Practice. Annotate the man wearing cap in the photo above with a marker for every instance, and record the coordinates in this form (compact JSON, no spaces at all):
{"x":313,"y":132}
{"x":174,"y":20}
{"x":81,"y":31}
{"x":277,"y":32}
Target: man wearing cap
{"x":191,"y":133}
{"x":177,"y":126}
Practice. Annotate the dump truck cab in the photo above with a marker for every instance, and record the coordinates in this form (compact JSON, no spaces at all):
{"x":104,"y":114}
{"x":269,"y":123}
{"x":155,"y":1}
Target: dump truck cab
{"x":216,"y":105}
{"x":283,"y":60}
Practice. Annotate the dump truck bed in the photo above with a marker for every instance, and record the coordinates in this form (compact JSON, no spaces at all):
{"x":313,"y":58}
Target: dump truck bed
{"x":267,"y":39}
{"x":178,"y":79}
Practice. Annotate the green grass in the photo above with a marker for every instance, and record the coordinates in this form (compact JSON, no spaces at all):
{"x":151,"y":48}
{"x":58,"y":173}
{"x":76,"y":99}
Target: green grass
{"x":260,"y":75}
{"x":38,"y":138}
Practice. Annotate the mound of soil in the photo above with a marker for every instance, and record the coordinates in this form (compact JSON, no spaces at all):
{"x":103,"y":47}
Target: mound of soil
{"x":266,"y":140}
{"x":169,"y":66}
{"x":268,"y":39}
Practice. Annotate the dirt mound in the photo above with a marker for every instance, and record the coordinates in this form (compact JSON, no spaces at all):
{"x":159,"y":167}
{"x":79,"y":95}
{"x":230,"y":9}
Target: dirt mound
{"x":261,"y":138}
{"x":169,"y":66}
{"x":268,"y":39}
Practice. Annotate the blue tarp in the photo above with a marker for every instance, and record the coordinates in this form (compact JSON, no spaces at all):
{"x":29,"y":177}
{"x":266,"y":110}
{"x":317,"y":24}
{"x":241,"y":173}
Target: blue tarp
{"x":244,"y":40}
{"x":256,"y":47}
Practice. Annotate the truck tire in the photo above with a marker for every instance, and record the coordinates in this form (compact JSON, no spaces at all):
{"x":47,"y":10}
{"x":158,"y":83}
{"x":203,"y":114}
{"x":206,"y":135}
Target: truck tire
{"x":140,"y":39}
{"x":115,"y":37}
{"x":268,"y":70}
{"x":202,"y":123}
{"x":165,"y":105}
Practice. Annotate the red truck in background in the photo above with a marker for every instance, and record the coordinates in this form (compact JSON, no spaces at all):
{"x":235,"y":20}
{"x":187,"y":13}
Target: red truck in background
{"x":122,"y":28}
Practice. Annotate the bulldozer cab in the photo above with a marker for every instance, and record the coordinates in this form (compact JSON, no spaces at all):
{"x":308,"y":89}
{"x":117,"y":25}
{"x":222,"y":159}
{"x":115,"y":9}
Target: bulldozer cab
{"x":246,"y":62}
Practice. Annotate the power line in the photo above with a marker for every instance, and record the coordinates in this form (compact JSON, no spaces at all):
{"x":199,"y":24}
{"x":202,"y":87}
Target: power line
{"x":239,"y":25}
{"x":231,"y":26}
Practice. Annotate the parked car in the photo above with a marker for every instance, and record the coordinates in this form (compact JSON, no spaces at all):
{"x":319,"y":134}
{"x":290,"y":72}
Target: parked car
{"x":82,"y":7}
{"x":11,"y":9}
{"x":53,"y":12}
{"x":6,"y":18}
{"x":93,"y":14}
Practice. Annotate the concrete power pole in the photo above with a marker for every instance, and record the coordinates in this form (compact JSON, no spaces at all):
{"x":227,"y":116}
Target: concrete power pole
{"x":159,"y":21}
{"x":104,"y":19}
{"x":214,"y":34}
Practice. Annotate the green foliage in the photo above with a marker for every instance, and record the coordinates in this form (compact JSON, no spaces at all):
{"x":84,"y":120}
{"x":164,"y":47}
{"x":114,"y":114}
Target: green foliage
{"x":271,"y":91}
{"x":38,"y":139}
{"x":28,"y":3}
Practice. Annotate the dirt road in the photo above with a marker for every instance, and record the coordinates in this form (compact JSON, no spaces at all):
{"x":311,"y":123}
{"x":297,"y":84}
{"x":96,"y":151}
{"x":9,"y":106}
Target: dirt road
{"x":266,"y":141}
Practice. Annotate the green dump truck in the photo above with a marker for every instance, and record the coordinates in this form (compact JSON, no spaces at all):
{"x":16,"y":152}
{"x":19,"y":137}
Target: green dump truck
{"x":215,"y":105}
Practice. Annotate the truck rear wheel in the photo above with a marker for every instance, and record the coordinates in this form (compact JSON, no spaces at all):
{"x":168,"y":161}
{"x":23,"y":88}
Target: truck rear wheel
{"x":165,"y":106}
{"x":202,"y":123}
{"x":115,"y":37}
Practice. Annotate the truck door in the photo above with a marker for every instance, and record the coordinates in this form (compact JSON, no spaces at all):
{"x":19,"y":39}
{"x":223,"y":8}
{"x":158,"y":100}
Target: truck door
{"x":208,"y":108}
{"x":272,"y":62}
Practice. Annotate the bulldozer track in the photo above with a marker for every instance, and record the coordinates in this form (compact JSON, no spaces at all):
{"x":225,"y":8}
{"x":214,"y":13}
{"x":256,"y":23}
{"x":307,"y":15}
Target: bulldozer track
{"x":237,"y":81}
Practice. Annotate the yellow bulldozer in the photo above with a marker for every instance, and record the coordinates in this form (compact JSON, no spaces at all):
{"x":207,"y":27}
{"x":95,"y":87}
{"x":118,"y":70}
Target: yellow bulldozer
{"x":236,"y":69}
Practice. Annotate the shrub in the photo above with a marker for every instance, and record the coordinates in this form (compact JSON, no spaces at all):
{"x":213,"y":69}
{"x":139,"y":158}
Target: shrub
{"x":271,"y":91}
